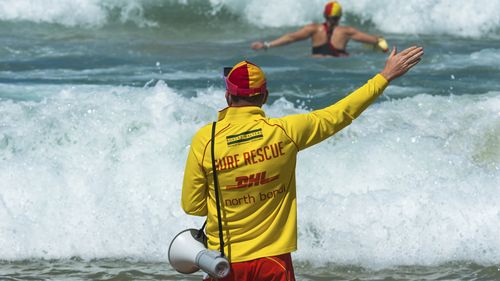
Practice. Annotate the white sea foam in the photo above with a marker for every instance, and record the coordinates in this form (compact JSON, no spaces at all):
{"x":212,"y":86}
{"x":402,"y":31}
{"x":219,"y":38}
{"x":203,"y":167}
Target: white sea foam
{"x":72,"y":12}
{"x":461,"y":18}
{"x":414,"y":181}
{"x":96,"y":171}
{"x":464,"y":18}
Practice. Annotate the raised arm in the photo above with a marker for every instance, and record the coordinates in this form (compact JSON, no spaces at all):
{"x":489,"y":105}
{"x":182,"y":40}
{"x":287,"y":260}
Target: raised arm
{"x":310,"y":128}
{"x":301,"y":34}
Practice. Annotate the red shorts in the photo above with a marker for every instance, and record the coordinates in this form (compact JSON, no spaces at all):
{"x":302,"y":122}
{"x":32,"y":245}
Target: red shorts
{"x":277,"y":268}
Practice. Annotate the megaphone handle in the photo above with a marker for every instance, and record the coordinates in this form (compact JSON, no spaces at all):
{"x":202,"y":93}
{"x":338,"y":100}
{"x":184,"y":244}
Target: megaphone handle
{"x":216,"y":189}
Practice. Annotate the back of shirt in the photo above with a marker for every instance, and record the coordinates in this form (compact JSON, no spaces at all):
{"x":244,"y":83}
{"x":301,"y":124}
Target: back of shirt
{"x":255,"y":162}
{"x":257,"y":177}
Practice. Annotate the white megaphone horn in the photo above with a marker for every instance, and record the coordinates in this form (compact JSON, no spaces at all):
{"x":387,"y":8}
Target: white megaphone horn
{"x":187,"y":254}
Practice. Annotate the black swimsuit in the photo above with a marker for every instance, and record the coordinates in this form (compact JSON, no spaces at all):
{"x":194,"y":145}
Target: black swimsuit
{"x":327,"y":48}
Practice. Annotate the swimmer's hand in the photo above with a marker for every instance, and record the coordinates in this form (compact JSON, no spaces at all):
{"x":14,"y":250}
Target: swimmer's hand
{"x":260,"y":45}
{"x":382,"y":44}
{"x":398,"y":64}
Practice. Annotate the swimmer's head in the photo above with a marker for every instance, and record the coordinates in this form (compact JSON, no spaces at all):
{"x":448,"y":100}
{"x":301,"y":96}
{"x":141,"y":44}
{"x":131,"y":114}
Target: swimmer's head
{"x":333,"y":10}
{"x":245,"y":79}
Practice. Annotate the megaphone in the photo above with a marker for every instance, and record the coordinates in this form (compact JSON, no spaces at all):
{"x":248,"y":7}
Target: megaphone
{"x":187,"y":254}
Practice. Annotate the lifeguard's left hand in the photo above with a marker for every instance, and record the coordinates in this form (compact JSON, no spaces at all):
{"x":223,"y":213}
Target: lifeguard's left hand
{"x":398,"y":64}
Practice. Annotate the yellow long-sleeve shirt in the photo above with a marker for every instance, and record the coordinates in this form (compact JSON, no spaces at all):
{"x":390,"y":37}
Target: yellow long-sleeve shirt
{"x":255,"y":162}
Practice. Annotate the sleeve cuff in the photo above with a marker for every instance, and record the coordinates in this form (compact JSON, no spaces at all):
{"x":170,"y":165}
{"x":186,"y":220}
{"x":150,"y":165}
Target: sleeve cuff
{"x":380,"y":80}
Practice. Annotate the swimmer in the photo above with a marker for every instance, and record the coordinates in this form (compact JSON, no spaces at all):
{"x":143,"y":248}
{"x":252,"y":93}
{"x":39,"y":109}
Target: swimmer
{"x":328,"y":38}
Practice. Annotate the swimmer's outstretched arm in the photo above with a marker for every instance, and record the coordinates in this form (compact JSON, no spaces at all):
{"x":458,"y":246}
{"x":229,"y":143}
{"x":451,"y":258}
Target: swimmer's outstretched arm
{"x":362,"y":37}
{"x":301,"y":34}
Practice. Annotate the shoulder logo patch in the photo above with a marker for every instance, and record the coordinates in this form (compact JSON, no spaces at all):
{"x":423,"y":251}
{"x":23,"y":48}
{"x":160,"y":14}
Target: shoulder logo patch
{"x":244,"y":137}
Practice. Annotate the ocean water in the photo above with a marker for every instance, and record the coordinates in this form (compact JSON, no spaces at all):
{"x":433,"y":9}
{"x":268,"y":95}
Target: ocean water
{"x":99,"y":100}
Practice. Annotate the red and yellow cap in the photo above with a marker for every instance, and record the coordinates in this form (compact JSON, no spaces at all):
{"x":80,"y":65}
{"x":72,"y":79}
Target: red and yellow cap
{"x":245,"y":80}
{"x":333,"y":9}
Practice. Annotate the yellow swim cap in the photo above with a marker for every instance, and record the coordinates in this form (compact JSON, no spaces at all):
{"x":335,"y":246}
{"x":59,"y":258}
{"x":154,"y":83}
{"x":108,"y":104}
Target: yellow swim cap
{"x":333,"y":9}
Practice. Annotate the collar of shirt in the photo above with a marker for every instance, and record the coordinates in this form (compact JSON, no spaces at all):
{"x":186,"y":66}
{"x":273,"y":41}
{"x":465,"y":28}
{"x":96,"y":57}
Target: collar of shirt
{"x":241,"y":113}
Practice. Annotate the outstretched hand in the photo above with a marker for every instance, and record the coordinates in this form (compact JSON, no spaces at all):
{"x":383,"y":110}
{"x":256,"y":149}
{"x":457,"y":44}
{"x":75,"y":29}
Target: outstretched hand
{"x":258,"y":45}
{"x":398,"y":64}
